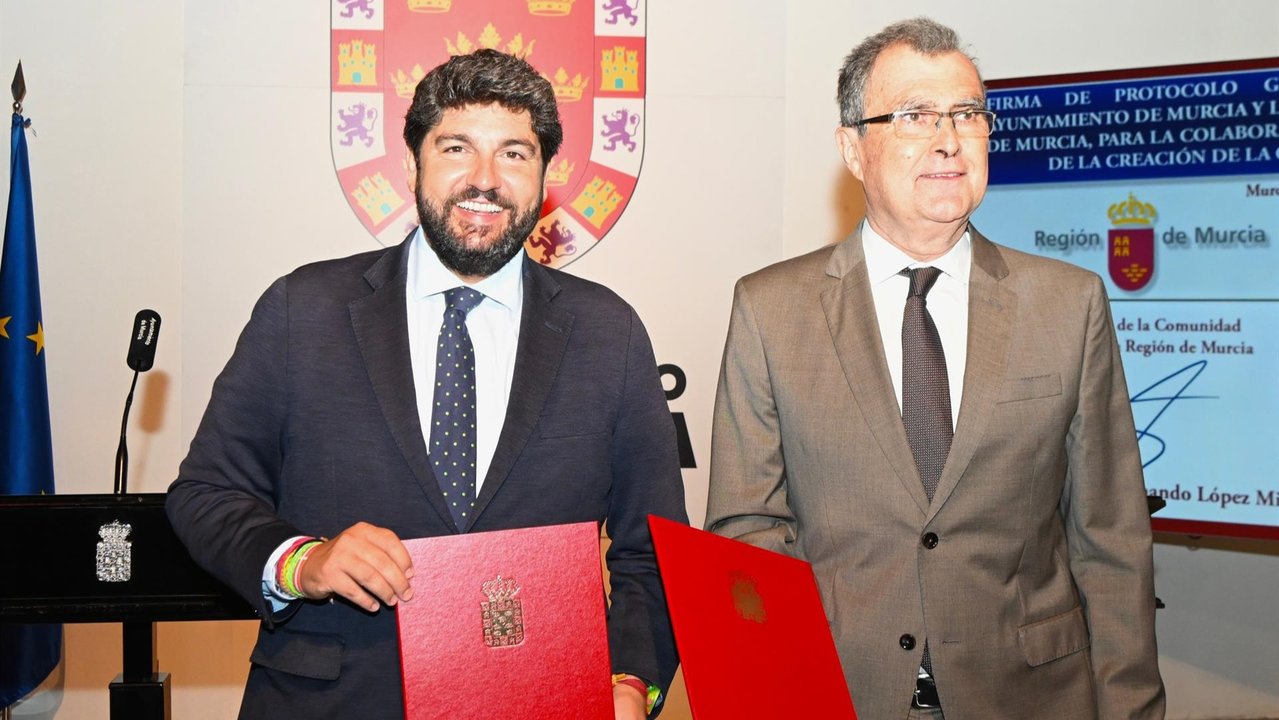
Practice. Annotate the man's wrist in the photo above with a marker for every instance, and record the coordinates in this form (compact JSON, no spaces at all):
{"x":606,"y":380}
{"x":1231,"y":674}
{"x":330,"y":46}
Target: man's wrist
{"x":270,"y":590}
{"x":652,"y":693}
{"x":288,"y":567}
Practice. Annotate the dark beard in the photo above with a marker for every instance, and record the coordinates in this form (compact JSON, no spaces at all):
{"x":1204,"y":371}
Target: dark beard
{"x":452,"y":250}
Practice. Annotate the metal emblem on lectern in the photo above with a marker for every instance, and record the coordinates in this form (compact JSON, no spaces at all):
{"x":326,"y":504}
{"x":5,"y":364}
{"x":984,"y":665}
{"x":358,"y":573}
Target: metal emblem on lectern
{"x":115,"y":552}
{"x":502,"y":616}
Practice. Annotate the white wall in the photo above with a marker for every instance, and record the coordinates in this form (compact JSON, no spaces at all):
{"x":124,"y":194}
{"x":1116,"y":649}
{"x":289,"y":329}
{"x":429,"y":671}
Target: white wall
{"x":182,"y":162}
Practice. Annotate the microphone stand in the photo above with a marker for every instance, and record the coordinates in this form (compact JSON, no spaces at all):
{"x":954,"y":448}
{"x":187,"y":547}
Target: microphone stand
{"x":139,"y":689}
{"x":122,"y":452}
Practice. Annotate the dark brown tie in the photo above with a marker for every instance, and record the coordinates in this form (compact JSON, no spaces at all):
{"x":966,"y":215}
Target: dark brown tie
{"x":925,"y":390}
{"x":925,"y":385}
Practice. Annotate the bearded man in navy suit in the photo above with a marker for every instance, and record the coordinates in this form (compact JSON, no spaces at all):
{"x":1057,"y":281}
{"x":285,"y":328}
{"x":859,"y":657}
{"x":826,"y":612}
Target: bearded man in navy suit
{"x":315,"y":428}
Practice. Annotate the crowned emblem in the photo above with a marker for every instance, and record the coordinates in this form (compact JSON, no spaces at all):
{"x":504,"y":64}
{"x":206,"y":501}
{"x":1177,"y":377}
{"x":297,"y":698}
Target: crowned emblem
{"x":592,"y":52}
{"x":502,"y":617}
{"x":1132,"y":243}
{"x":746,"y":598}
{"x":115,"y":552}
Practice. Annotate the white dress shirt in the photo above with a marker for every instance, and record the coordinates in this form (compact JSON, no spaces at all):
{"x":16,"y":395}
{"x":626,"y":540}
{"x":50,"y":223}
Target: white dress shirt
{"x":494,"y":327}
{"x":947,"y":303}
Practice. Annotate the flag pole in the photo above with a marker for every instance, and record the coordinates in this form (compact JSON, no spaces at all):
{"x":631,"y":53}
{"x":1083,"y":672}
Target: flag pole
{"x":19,"y":88}
{"x":31,"y":651}
{"x":19,"y":92}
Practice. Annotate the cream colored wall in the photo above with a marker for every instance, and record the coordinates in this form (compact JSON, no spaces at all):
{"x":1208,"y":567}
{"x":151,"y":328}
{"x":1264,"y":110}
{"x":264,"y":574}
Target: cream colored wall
{"x":105,"y":93}
{"x":182,"y":162}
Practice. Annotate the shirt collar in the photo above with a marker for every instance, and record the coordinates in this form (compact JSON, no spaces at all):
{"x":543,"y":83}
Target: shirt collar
{"x":884,"y":259}
{"x":428,"y":276}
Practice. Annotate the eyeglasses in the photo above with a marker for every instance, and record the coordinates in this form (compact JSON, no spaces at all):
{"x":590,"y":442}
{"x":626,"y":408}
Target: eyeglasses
{"x":920,"y":124}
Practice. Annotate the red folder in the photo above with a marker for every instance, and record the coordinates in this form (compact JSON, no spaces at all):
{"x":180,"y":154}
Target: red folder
{"x":506,"y":624}
{"x":751,"y":632}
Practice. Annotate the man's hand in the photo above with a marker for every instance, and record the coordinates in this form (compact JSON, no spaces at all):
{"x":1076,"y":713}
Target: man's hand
{"x":628,"y":703}
{"x":364,"y":564}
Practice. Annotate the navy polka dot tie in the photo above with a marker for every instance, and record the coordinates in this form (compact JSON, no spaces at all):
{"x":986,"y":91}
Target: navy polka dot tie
{"x":452,"y":447}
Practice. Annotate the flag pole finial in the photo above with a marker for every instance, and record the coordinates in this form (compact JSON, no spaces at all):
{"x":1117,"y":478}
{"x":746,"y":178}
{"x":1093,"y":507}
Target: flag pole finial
{"x":19,"y":88}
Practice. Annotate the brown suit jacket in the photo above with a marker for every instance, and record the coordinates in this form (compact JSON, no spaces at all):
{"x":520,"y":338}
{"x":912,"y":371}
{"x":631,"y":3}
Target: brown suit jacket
{"x":1037,"y":597}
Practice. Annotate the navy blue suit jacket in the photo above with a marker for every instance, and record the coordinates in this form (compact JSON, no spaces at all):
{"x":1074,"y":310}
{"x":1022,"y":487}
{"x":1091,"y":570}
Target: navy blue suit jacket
{"x":313,"y":426}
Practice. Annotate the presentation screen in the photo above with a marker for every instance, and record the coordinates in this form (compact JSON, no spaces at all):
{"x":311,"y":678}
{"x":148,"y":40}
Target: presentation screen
{"x":1165,"y":182}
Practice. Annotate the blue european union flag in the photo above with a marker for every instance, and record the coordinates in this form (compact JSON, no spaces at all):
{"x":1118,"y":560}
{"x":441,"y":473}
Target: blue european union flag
{"x":28,"y":653}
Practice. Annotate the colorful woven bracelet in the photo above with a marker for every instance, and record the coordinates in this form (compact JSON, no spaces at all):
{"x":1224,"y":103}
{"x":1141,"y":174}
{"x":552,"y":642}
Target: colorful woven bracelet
{"x":652,"y":694}
{"x":287,"y":575}
{"x":280,"y":573}
{"x":295,"y":580}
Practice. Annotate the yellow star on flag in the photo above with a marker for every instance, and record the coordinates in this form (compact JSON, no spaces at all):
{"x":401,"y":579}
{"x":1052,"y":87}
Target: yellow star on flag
{"x":38,"y":337}
{"x":4,"y":333}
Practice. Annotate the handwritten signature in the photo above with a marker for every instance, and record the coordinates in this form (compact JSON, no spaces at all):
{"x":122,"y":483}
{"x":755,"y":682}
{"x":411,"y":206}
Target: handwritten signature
{"x":1177,"y":383}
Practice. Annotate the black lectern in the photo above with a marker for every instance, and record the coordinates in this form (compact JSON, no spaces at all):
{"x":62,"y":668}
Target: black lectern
{"x":107,"y":558}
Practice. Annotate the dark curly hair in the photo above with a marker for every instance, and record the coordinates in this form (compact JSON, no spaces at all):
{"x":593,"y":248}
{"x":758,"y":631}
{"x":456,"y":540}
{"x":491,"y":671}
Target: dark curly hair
{"x":482,"y":78}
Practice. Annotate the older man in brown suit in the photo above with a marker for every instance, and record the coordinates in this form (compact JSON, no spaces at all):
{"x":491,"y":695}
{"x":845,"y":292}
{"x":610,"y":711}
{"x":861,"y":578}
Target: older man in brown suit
{"x":940,"y":425}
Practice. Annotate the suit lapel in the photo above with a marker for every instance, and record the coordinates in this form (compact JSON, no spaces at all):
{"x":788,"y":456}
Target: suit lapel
{"x":854,"y":328}
{"x":544,"y":334}
{"x":991,"y":308}
{"x":380,"y":321}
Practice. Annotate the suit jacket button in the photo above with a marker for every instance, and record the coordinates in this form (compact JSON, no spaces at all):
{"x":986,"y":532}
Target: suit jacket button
{"x":930,"y":540}
{"x":907,"y":641}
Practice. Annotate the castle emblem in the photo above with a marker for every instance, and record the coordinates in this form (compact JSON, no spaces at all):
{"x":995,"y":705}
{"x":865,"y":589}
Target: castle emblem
{"x":502,"y":617}
{"x":593,"y":52}
{"x":1131,"y":246}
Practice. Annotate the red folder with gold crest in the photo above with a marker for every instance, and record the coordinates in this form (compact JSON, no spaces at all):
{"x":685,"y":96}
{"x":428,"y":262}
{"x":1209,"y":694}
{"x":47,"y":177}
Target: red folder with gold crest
{"x":752,"y":636}
{"x":506,"y":624}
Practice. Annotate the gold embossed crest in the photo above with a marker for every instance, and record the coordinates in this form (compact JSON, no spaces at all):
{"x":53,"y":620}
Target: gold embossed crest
{"x":502,"y":616}
{"x":746,"y":598}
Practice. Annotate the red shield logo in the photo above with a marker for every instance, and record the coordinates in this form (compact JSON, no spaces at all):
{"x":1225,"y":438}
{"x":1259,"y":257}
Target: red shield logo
{"x":592,"y":51}
{"x":1132,"y":257}
{"x":1131,"y":248}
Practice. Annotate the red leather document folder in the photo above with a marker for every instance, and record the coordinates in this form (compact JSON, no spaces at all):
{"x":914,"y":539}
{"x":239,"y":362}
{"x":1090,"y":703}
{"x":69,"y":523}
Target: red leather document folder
{"x":752,"y":636}
{"x":506,"y":624}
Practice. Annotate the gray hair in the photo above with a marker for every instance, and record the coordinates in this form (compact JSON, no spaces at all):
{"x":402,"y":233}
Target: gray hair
{"x":921,"y":34}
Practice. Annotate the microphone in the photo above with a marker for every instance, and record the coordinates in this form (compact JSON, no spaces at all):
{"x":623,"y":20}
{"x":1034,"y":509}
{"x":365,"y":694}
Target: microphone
{"x":141,"y":357}
{"x":146,"y":330}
